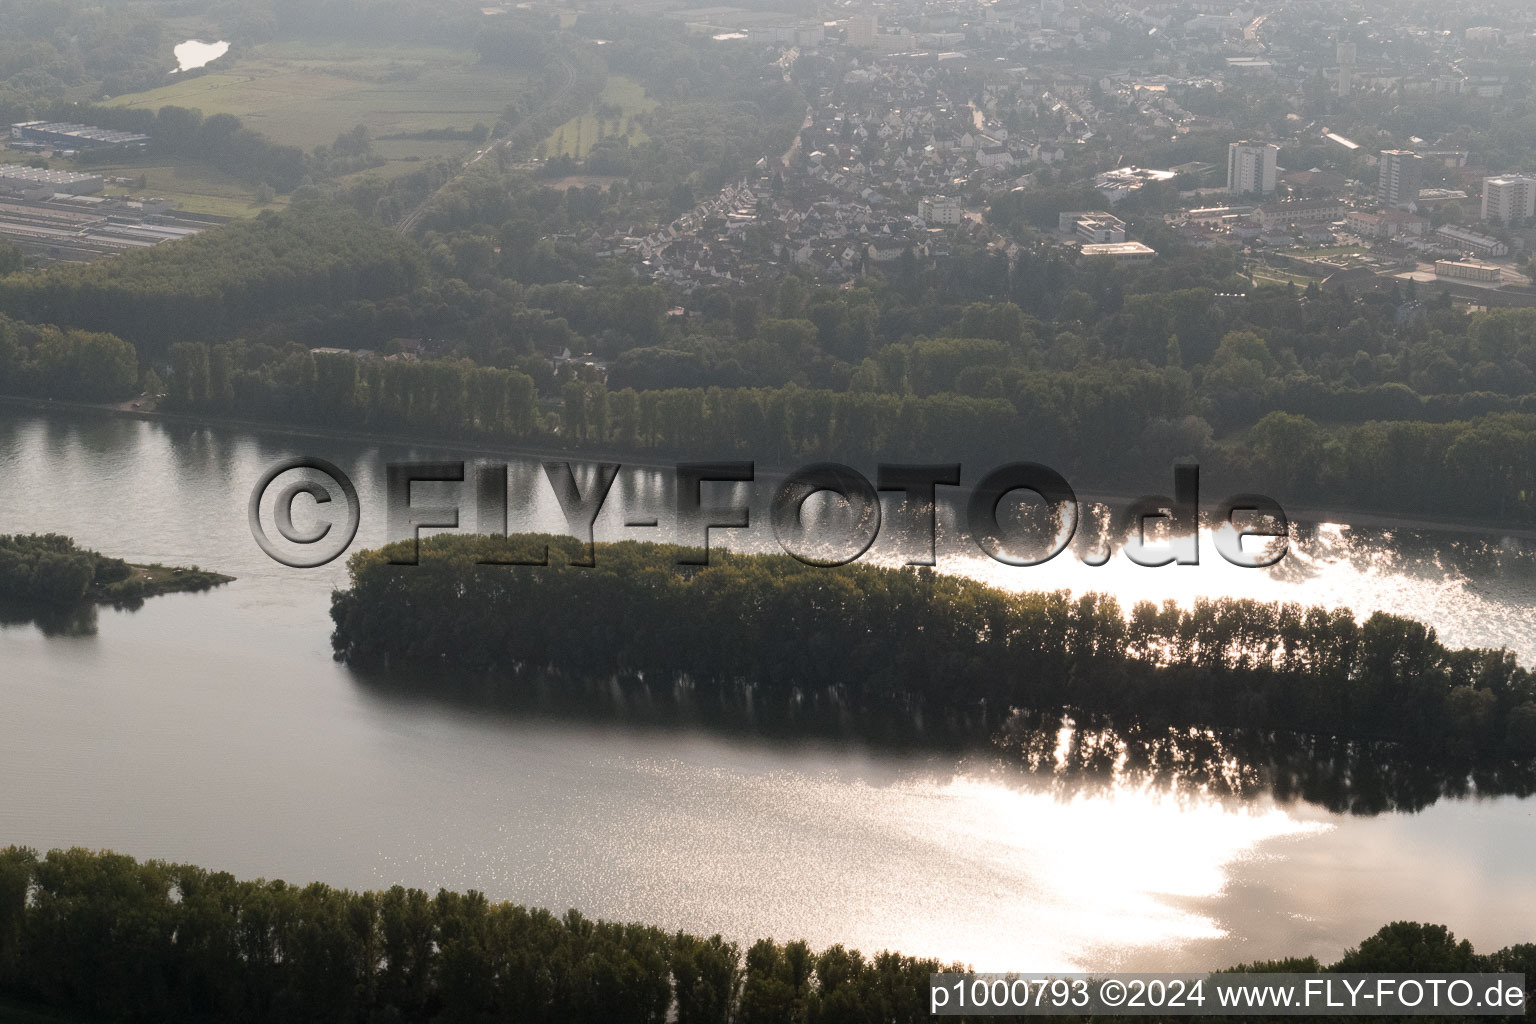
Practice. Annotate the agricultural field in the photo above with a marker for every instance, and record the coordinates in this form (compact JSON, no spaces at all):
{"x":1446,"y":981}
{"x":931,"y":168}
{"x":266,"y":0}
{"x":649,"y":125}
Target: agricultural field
{"x":613,"y":115}
{"x":305,"y":94}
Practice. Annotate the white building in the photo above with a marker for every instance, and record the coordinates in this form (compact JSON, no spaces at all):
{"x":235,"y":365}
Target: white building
{"x":21,"y":177}
{"x":1123,"y":182}
{"x":1251,"y":168}
{"x":1469,"y":270}
{"x":1508,"y":198}
{"x":940,"y":210}
{"x":862,"y":29}
{"x":1119,"y":252}
{"x":1402,"y":173}
{"x":1345,"y":51}
{"x":1092,"y":226}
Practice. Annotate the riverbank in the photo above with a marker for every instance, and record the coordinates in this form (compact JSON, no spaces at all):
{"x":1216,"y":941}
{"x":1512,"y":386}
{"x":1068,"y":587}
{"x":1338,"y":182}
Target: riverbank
{"x":154,"y":580}
{"x":99,"y":917}
{"x":1312,"y":514}
{"x":48,"y":573}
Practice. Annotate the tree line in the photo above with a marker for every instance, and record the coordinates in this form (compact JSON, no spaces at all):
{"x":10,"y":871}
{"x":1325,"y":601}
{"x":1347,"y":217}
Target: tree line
{"x":222,"y":140}
{"x":51,"y":573}
{"x":50,"y":362}
{"x":867,"y":637}
{"x":103,"y":934}
{"x":1104,"y":430}
{"x":50,"y":570}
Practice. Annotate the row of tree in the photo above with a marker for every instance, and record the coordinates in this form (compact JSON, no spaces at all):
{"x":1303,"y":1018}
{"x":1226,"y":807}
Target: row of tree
{"x":868,"y":637}
{"x":101,"y":933}
{"x":1106,"y":430}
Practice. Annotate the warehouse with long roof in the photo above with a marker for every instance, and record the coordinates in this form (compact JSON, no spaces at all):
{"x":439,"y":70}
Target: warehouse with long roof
{"x":65,"y":135}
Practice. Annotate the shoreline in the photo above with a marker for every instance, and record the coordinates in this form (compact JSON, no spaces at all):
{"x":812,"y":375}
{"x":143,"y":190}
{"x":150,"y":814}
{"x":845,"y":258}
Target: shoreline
{"x":156,"y":580}
{"x":1313,"y":515}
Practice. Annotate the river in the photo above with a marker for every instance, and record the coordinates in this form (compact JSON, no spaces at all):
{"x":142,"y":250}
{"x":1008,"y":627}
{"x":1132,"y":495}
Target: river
{"x":215,"y":728}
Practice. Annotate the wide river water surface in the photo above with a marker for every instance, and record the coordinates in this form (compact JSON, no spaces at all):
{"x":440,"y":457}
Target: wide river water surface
{"x":216,"y":728}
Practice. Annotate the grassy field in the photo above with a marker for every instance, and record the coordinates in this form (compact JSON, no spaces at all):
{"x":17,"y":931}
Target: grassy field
{"x":576,"y":137}
{"x":196,"y":188}
{"x":305,"y":94}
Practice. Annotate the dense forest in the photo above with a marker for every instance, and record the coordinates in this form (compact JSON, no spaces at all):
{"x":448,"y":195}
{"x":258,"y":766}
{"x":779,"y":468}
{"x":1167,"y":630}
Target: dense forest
{"x":52,"y":49}
{"x":210,"y":286}
{"x":102,"y":934}
{"x":1314,"y":397}
{"x":865,"y":637}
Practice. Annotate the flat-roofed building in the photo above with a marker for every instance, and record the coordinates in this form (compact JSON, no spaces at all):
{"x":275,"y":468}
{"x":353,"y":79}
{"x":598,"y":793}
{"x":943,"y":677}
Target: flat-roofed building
{"x":940,"y":210}
{"x":1469,"y":270}
{"x":1251,"y":168}
{"x":66,"y":135}
{"x":1402,"y":173}
{"x":1123,"y":182}
{"x":1120,"y":252}
{"x":18,"y":176}
{"x":1092,"y":226}
{"x":1508,"y":198}
{"x":862,"y":30}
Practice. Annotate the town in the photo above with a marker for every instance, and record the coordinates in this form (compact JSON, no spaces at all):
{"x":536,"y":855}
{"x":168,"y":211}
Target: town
{"x":1258,"y":132}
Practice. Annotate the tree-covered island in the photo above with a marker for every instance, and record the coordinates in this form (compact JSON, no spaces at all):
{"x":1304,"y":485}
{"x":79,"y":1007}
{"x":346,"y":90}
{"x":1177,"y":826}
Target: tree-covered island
{"x":870,"y":639}
{"x":51,"y":572}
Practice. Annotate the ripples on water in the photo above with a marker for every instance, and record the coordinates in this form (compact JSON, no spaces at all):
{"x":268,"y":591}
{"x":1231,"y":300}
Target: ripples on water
{"x":215,"y":728}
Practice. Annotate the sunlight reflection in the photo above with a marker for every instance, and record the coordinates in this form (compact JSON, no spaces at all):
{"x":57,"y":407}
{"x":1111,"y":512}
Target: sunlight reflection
{"x":1107,"y":870}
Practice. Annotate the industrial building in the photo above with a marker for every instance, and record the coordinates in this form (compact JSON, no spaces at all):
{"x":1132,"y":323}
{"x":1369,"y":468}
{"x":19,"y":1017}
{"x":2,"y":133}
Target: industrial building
{"x":63,"y":135}
{"x":18,"y":176}
{"x":63,"y":228}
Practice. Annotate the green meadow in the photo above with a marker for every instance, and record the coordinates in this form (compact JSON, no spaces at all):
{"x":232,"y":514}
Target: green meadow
{"x":305,"y":94}
{"x":577,"y":136}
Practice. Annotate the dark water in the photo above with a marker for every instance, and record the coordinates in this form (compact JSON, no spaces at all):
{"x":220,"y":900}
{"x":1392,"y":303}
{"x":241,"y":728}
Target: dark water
{"x":215,"y":728}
